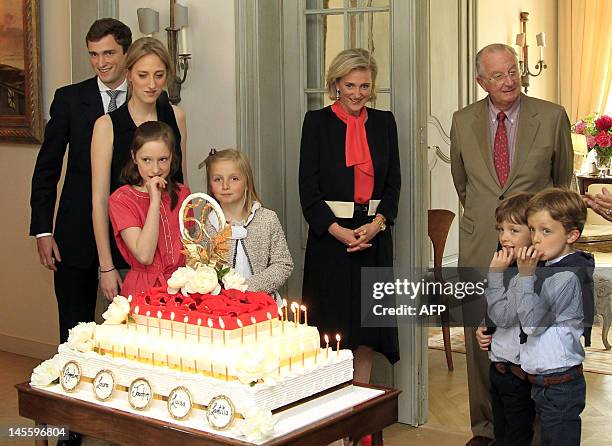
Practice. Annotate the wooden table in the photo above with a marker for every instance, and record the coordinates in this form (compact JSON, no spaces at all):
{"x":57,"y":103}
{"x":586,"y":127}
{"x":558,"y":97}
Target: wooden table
{"x":584,"y":181}
{"x":125,"y":428}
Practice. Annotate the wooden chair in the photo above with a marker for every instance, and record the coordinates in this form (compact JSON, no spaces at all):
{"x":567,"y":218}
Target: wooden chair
{"x":438,"y":224}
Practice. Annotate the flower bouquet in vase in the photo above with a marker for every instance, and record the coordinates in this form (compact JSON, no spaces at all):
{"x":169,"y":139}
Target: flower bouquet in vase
{"x":598,"y":133}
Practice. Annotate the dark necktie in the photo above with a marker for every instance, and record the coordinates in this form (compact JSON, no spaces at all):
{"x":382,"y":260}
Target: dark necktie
{"x":112,"y":106}
{"x":501,"y":154}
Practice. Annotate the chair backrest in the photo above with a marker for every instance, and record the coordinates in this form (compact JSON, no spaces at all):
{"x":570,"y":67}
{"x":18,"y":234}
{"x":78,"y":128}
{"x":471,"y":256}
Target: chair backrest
{"x":439,"y":222}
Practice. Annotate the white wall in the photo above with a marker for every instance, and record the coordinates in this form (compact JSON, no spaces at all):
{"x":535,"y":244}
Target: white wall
{"x":209,"y":94}
{"x":28,"y":310}
{"x":499,"y":22}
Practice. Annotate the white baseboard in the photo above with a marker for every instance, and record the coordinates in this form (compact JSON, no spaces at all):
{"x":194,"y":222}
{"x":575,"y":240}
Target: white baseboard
{"x":27,"y":347}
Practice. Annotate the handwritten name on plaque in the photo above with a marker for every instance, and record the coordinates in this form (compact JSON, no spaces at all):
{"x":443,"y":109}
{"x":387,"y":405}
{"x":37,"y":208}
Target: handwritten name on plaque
{"x":70,"y":376}
{"x":140,"y":394}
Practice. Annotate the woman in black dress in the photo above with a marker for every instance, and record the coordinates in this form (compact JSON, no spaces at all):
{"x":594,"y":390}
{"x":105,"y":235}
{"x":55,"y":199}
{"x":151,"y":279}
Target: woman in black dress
{"x":148,"y":70}
{"x":349,"y":190}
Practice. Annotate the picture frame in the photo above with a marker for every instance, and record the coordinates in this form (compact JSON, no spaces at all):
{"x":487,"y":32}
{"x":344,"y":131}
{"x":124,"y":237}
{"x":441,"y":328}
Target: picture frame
{"x":21,"y":117}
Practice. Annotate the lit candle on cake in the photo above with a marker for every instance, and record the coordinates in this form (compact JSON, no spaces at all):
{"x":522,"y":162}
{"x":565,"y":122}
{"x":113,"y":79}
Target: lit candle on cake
{"x":254,"y":322}
{"x":138,"y":353}
{"x":302,"y":348}
{"x":239,"y":322}
{"x":337,"y":345}
{"x":226,"y":374}
{"x":148,"y":314}
{"x":269,"y":316}
{"x":317,"y":348}
{"x":136,"y":311}
{"x":303,"y":308}
{"x":152,"y":357}
{"x":280,"y":313}
{"x":113,"y":349}
{"x":222,"y":325}
{"x":290,"y":362}
{"x":326,"y":346}
{"x":159,"y":315}
{"x":199,"y":324}
{"x":172,"y":325}
{"x":210,"y":325}
{"x":285,"y":306}
{"x":195,"y":364}
{"x":185,"y":321}
{"x":181,"y":363}
{"x":124,"y":351}
{"x":294,"y":308}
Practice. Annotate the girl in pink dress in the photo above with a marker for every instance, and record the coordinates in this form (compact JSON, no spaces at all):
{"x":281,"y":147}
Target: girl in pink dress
{"x":144,"y":212}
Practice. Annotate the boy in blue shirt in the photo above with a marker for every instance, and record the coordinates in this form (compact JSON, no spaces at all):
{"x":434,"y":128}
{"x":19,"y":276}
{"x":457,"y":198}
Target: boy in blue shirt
{"x":513,"y":408}
{"x":551,"y":308}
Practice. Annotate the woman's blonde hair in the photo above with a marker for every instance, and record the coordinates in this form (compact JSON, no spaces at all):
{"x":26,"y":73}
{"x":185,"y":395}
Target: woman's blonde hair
{"x":347,"y":61}
{"x":148,"y":45}
{"x":238,"y":157}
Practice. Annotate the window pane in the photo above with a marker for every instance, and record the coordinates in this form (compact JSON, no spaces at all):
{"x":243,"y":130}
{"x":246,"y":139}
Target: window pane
{"x":371,"y":30}
{"x":314,"y":101}
{"x":383,"y":102}
{"x":324,"y":39}
{"x":324,"y":4}
{"x":369,"y":3}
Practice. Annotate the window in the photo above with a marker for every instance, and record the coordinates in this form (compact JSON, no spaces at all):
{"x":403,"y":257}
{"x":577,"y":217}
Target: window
{"x":334,"y":25}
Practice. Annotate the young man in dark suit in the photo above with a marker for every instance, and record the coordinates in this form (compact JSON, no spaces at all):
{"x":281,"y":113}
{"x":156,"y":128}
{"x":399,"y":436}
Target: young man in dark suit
{"x":69,"y":248}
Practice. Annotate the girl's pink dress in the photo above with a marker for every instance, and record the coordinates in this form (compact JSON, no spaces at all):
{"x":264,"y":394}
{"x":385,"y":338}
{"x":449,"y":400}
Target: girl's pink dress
{"x":128,"y":208}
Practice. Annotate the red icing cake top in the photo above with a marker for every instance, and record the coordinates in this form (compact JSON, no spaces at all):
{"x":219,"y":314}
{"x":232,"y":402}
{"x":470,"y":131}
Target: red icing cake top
{"x":228,"y":305}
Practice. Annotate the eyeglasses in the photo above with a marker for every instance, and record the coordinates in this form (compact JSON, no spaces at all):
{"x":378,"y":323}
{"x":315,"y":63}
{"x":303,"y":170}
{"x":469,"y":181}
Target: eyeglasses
{"x":500,"y":77}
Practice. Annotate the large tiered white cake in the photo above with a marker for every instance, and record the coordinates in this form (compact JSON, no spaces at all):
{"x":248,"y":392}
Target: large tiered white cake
{"x":223,"y":360}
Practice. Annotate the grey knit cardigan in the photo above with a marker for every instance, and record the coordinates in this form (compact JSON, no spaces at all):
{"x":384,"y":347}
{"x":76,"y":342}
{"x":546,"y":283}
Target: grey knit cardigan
{"x":266,"y":250}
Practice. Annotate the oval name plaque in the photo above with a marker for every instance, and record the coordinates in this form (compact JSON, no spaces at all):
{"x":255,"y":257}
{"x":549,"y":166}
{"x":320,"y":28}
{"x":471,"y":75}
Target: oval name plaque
{"x":71,"y":376}
{"x":179,"y":403}
{"x":220,"y":412}
{"x":140,"y":394}
{"x":103,"y":385}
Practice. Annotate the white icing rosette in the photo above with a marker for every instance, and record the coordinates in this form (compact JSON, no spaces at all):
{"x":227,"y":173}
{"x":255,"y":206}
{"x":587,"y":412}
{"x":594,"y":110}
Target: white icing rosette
{"x":233,"y":280}
{"x":45,"y":373}
{"x":258,"y":424}
{"x":80,"y":338}
{"x":204,"y":281}
{"x":179,"y":279}
{"x":117,"y":312}
{"x":255,"y":364}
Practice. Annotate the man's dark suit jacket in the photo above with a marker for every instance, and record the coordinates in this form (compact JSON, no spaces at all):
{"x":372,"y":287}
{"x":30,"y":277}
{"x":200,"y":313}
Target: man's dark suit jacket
{"x":74,"y":111}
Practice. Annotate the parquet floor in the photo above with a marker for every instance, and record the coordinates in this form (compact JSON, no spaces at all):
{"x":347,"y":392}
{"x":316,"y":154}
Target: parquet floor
{"x":448,"y":423}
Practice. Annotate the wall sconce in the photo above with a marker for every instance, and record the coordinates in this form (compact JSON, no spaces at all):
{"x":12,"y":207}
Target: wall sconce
{"x":521,"y":42}
{"x":148,"y":22}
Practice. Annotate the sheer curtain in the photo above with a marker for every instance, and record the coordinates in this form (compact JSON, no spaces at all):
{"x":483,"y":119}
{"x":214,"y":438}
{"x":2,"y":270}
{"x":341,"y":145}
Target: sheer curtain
{"x":585,"y":56}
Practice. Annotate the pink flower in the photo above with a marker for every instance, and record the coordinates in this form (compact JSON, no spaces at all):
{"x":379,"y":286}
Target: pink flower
{"x":580,"y":127}
{"x":603,"y":139}
{"x":591,"y":141}
{"x":603,"y":123}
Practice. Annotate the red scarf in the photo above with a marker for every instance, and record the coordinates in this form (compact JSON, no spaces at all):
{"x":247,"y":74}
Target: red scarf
{"x":357,"y":152}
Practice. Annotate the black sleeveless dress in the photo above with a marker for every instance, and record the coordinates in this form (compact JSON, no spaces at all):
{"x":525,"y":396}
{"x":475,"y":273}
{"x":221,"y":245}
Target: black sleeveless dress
{"x":123,"y":133}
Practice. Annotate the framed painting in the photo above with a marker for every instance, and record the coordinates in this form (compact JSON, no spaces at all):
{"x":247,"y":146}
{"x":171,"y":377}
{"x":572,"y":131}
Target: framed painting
{"x":20,"y":77}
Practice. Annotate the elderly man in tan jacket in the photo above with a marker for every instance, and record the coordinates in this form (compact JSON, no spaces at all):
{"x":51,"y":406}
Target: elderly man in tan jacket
{"x":500,"y":145}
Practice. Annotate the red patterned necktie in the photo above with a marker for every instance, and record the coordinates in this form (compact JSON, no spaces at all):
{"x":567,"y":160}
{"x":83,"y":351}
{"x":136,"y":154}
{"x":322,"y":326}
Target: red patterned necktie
{"x":501,"y":154}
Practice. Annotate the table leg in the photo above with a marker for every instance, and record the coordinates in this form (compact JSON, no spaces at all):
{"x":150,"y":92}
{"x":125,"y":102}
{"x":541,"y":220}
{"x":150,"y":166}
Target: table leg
{"x":41,"y":441}
{"x":377,"y":438}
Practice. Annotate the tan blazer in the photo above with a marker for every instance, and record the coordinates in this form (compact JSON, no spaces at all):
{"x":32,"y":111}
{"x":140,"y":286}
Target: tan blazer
{"x":543,"y":158}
